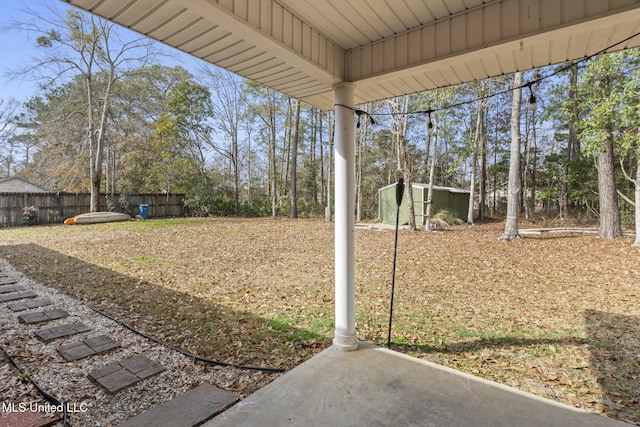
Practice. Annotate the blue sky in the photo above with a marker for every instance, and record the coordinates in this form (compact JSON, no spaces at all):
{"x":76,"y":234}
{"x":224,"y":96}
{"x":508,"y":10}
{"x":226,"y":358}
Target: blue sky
{"x":16,"y":48}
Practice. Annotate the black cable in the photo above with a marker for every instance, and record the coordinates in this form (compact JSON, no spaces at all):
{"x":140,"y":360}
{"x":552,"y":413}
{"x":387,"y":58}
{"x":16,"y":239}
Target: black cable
{"x":399,"y":194}
{"x":186,"y":353}
{"x":44,"y":394}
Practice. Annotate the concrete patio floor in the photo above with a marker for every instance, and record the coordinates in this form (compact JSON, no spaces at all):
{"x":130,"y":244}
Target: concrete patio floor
{"x":374,"y":386}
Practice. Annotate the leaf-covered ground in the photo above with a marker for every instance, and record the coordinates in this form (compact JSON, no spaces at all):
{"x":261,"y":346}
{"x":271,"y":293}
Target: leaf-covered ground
{"x":555,"y":315}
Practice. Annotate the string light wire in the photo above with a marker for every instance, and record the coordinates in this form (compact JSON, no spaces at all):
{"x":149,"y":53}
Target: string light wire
{"x":528,"y":84}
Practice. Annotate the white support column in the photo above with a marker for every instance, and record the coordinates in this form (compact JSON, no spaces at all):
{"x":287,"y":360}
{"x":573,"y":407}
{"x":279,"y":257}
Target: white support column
{"x":345,"y":332}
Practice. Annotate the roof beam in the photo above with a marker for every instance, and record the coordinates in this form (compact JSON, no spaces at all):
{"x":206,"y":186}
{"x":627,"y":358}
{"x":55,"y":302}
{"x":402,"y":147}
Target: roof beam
{"x":501,"y":38}
{"x":237,"y":35}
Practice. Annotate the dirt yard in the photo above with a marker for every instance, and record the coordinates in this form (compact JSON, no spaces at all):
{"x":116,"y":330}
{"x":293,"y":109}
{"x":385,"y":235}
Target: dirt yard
{"x":557,"y":315}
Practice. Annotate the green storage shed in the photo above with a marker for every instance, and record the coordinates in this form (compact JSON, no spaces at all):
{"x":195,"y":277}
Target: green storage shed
{"x":454,"y":199}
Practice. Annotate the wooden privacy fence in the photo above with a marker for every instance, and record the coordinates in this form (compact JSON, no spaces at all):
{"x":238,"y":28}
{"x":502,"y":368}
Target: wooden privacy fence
{"x":50,"y":206}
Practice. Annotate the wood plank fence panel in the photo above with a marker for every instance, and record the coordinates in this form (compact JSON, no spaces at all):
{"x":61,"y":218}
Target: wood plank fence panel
{"x":52,"y":210}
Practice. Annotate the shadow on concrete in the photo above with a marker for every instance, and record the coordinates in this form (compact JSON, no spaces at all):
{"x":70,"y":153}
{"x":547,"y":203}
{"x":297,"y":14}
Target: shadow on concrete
{"x":190,"y":323}
{"x":614,"y":345}
{"x":486,"y":343}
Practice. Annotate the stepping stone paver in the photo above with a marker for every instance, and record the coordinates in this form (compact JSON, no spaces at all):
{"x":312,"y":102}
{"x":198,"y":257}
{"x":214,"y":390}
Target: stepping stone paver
{"x":8,"y":280}
{"x":28,"y":419}
{"x":29,"y":304}
{"x":13,"y":296}
{"x":50,"y":334}
{"x":192,"y":408}
{"x":116,"y":376}
{"x":88,"y":347}
{"x":11,"y":288}
{"x":42,"y":316}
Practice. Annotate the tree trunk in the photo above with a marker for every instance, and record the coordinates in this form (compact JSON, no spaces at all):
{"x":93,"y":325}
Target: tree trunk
{"x":494,"y":204}
{"x":328,"y":212}
{"x":236,"y":174}
{"x":525,"y":170}
{"x":637,"y":196}
{"x":534,"y":167}
{"x":427,"y":148}
{"x":513,"y":196}
{"x":474,"y":160}
{"x":361,"y":156}
{"x":100,"y":141}
{"x":573,"y":145}
{"x":400,"y":106}
{"x":322,"y":165}
{"x":272,"y":155}
{"x":94,"y":200}
{"x":294,"y":163}
{"x":403,"y":160}
{"x":482,"y":190}
{"x":610,"y":226}
{"x":249,"y":177}
{"x":432,"y":174}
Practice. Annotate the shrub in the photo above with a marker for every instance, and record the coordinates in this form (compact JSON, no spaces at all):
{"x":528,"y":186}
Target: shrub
{"x":31,"y":215}
{"x":445,"y":218}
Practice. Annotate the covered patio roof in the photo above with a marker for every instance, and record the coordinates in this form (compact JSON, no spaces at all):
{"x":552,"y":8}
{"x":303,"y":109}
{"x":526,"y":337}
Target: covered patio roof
{"x":386,"y":48}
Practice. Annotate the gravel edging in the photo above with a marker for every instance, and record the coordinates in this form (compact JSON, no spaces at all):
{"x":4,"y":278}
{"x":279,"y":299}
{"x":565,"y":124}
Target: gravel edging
{"x":69,"y":382}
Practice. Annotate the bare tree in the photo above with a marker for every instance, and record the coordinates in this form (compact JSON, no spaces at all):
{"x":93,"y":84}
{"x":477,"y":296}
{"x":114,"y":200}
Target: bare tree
{"x":229,"y":94}
{"x":514,"y":187}
{"x":328,"y":210}
{"x":637,"y":194}
{"x":76,"y":45}
{"x":474,"y":159}
{"x":432,"y":170}
{"x":399,"y":108}
{"x":294,"y":163}
{"x":8,"y":142}
{"x":265,"y":107}
{"x":362,"y":134}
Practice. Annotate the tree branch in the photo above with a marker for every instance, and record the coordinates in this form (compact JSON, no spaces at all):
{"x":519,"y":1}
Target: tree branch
{"x":626,"y":199}
{"x":626,"y":175}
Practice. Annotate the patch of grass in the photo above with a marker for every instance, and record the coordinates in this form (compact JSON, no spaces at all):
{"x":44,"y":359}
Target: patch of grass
{"x":295,"y":328}
{"x":35,"y":231}
{"x":138,"y":261}
{"x":463,"y":332}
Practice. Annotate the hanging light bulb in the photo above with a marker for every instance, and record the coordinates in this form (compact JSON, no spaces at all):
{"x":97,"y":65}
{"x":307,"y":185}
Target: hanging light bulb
{"x":532,"y":98}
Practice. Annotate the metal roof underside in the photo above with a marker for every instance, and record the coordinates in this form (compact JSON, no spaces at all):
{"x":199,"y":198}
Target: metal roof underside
{"x":385,"y":47}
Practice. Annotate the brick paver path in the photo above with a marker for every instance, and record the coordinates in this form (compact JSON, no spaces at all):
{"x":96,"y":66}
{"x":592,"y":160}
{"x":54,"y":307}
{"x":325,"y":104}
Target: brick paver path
{"x":50,"y":334}
{"x":42,"y":316}
{"x":116,"y":376}
{"x":192,"y":408}
{"x":88,"y":347}
{"x":29,"y":304}
{"x":13,"y":296}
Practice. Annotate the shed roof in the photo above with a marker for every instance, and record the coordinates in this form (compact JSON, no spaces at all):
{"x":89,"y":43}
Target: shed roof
{"x":25,"y":183}
{"x":386,"y":48}
{"x":435,"y":187}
